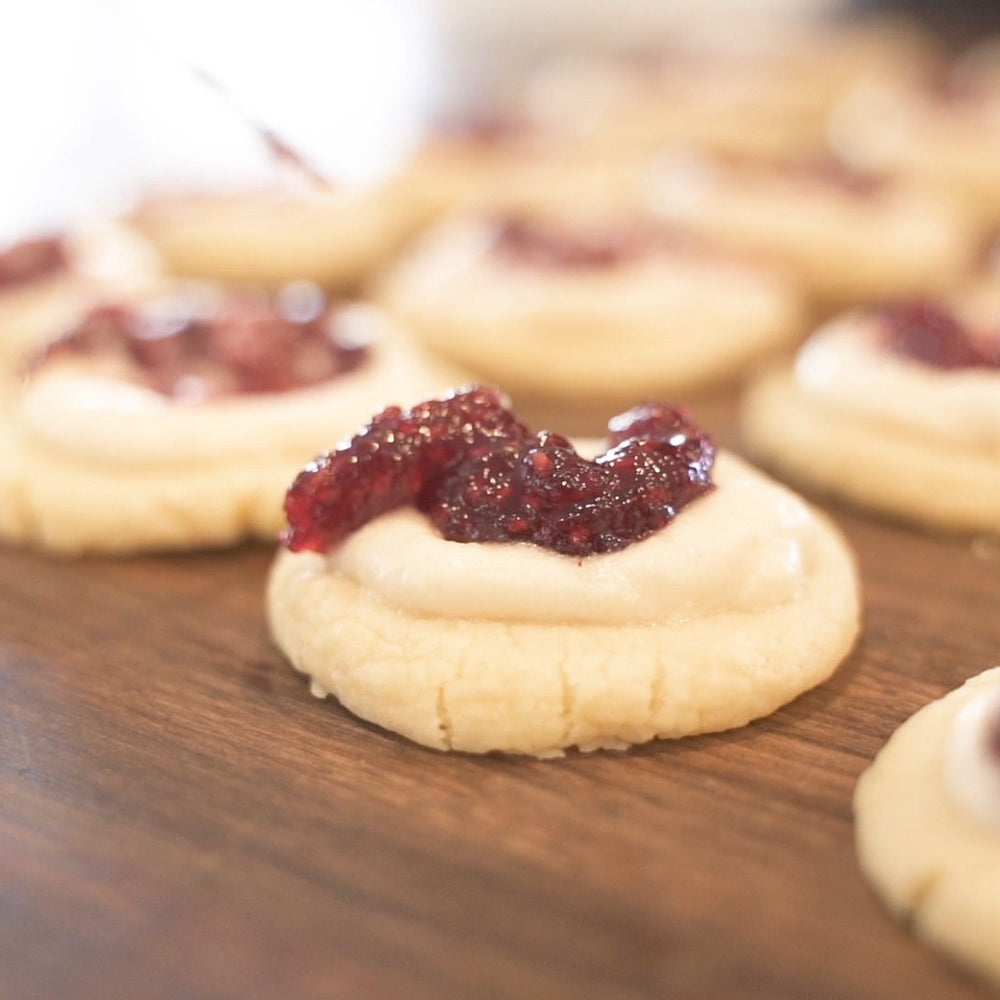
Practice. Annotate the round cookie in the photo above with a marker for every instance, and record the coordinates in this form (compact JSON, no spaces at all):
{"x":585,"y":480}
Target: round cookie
{"x":710,"y":102}
{"x":911,"y":430}
{"x":508,"y":163}
{"x":756,"y":97}
{"x":47,"y":283}
{"x":133,"y":435}
{"x":744,"y":600}
{"x":593,"y":310}
{"x":847,"y":237}
{"x":927,"y":817}
{"x":945,"y":138}
{"x":270,"y":236}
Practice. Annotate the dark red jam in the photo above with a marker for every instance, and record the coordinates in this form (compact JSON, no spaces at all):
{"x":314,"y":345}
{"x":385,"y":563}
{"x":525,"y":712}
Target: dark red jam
{"x":248,"y":342}
{"x":927,"y":333}
{"x":481,"y":476}
{"x":30,"y":260}
{"x":536,"y":244}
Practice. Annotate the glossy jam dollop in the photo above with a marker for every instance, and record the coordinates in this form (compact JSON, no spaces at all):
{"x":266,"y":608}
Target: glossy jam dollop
{"x":192,"y":348}
{"x":30,"y":260}
{"x":930,"y":335}
{"x":481,"y":476}
{"x":535,"y":244}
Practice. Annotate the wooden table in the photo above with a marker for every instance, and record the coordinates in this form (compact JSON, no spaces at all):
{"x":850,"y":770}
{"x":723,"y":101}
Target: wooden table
{"x":180,"y":818}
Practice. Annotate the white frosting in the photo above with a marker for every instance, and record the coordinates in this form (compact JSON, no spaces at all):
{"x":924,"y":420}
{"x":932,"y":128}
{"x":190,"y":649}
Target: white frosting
{"x":745,"y":546}
{"x":843,"y":367}
{"x":82,"y":410}
{"x":972,"y":772}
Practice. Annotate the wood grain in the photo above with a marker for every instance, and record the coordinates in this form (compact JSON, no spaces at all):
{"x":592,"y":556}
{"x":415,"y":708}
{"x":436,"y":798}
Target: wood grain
{"x":180,"y":818}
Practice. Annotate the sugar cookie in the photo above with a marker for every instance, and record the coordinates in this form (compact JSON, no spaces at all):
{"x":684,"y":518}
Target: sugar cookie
{"x":711,"y":103}
{"x":928,"y":823}
{"x":597,"y":311}
{"x":177,"y":423}
{"x":270,"y":236}
{"x":507,"y":164}
{"x":850,"y":238}
{"x":896,"y":409}
{"x":48,"y":282}
{"x":532,"y":600}
{"x":946,"y":138}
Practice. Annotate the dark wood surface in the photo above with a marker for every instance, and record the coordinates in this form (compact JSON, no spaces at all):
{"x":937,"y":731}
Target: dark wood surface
{"x":180,"y":818}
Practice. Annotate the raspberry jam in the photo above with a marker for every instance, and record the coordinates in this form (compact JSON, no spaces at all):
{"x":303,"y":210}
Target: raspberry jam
{"x":193,"y":348}
{"x":535,"y":244}
{"x":928,"y":334}
{"x":481,"y":476}
{"x":30,"y":260}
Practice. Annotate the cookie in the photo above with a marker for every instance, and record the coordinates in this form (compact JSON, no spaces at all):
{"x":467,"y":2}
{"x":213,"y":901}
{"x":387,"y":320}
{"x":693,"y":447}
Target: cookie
{"x":896,"y":410}
{"x":849,"y":238}
{"x":507,"y":163}
{"x":706,"y":101}
{"x":588,"y":310}
{"x":176,"y":424}
{"x":271,"y":236}
{"x":525,"y":600}
{"x":48,"y":282}
{"x":762,"y":95}
{"x":927,"y":817}
{"x":945,"y":138}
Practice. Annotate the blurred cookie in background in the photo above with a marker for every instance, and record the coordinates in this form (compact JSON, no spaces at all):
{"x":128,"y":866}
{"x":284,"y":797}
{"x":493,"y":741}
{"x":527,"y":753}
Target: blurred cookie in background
{"x":47,"y":281}
{"x":177,"y":422}
{"x":588,"y":312}
{"x":272,"y":235}
{"x":848,"y":236}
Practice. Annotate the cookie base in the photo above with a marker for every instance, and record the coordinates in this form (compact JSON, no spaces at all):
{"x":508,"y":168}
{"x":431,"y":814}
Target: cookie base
{"x":874,"y":465}
{"x":478,"y":686}
{"x":929,"y":861}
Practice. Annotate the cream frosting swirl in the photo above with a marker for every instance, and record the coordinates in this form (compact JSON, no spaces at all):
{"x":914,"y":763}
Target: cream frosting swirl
{"x":747,"y":545}
{"x":845,"y":367}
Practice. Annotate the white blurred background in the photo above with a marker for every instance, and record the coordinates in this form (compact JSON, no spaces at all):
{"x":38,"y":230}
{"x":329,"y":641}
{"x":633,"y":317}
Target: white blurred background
{"x":98,"y":100}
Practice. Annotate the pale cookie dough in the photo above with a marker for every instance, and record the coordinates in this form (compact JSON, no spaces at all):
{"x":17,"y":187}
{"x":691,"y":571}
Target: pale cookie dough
{"x":713,"y":103}
{"x":846,"y":239}
{"x":671,"y":320}
{"x":978,"y":299}
{"x":946,"y":143}
{"x":270,"y":236}
{"x":105,"y":261}
{"x":743,"y":602}
{"x":91,"y":463}
{"x":755,"y":97}
{"x":906,"y":439}
{"x":522,"y":167}
{"x":928,"y":824}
